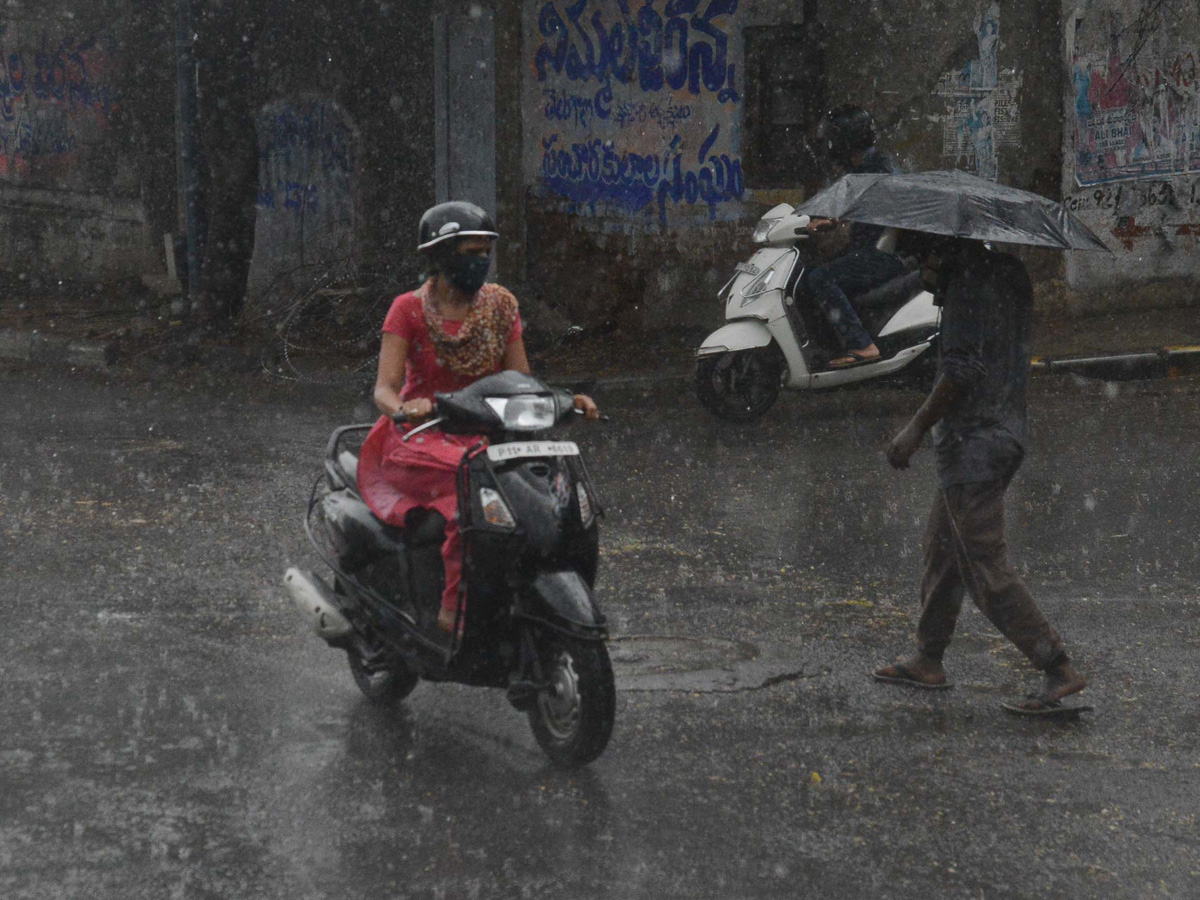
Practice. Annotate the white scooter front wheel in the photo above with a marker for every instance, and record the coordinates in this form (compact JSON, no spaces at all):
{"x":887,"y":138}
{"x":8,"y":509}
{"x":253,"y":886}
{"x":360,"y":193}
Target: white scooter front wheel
{"x":740,"y":385}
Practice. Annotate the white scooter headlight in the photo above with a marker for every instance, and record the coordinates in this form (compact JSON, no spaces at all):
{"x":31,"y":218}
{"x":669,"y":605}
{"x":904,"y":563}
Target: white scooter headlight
{"x":525,"y":412}
{"x":763,"y":228}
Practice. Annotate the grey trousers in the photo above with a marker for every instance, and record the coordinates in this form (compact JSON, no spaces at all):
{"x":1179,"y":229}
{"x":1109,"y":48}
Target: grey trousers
{"x":965,"y":550}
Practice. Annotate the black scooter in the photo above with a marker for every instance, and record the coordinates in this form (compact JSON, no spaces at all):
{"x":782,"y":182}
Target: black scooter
{"x":528,"y":517}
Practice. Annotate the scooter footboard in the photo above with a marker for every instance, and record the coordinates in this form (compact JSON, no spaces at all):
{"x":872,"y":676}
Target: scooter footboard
{"x":562,"y":600}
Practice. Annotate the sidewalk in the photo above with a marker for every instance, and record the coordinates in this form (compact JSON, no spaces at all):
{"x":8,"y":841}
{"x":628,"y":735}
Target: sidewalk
{"x":1150,"y":343}
{"x":1153,"y":343}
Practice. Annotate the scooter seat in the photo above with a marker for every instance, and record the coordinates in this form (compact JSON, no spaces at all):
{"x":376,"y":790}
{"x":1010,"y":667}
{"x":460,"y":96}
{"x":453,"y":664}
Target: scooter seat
{"x":424,"y":526}
{"x":890,"y":293}
{"x":367,"y":536}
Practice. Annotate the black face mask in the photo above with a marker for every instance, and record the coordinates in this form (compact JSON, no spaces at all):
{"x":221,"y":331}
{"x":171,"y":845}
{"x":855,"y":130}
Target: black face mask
{"x":467,"y":272}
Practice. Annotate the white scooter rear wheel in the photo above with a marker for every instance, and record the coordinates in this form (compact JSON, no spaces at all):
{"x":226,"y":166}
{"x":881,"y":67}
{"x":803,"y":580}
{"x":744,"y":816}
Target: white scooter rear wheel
{"x":741,"y":385}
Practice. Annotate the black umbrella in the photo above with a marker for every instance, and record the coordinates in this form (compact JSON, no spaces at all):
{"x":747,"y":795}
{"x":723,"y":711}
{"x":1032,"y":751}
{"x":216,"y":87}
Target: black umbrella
{"x":953,"y":203}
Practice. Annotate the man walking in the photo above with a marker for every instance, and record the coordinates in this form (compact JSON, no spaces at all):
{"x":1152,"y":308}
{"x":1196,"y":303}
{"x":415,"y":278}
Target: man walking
{"x":978,"y":416}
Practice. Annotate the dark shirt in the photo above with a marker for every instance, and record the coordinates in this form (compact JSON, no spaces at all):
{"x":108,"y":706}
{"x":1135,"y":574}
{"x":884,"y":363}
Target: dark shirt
{"x":986,"y":346}
{"x":873,"y":161}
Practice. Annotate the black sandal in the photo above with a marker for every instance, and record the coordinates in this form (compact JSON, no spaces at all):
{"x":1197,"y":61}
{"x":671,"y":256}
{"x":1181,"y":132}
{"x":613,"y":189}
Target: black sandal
{"x":1041,"y":704}
{"x":906,"y":678}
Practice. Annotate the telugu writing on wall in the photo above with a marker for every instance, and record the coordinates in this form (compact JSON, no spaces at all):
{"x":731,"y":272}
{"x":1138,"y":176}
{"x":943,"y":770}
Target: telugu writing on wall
{"x":1135,"y":118}
{"x":632,"y":111}
{"x":54,"y":99}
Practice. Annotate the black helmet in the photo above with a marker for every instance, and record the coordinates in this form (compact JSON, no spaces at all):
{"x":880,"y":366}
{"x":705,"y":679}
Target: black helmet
{"x":456,"y":219}
{"x":846,"y":130}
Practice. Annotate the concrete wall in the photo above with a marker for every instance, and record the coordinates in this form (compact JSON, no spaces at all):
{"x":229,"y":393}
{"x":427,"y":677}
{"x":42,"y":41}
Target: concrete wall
{"x":346,"y":141}
{"x":1132,"y":150}
{"x":627,"y":173}
{"x":638,"y":194}
{"x":308,"y":202}
{"x":344,"y":133}
{"x":86,"y":139}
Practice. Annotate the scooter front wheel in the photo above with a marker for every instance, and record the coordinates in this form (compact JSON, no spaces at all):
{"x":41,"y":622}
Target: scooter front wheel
{"x":572,"y":717}
{"x":741,"y":385}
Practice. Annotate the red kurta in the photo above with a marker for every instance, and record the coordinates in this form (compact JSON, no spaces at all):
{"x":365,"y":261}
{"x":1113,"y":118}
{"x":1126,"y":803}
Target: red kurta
{"x":395,"y":476}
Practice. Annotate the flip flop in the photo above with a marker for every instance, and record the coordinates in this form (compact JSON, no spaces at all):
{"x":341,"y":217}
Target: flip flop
{"x":1046,"y":708}
{"x":906,"y":678}
{"x":859,"y":360}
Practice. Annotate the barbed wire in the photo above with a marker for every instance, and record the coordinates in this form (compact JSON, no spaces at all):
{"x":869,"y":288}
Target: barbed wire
{"x":329,"y":314}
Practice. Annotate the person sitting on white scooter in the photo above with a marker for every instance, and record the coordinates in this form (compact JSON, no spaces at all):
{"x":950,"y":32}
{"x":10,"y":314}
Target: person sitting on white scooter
{"x":848,"y":135}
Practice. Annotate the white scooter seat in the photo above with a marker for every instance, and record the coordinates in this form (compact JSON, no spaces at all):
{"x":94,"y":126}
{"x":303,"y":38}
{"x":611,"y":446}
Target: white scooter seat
{"x":891,"y":293}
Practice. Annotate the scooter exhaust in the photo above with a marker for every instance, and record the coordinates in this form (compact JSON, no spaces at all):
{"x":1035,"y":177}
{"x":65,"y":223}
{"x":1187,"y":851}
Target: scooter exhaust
{"x":315,"y":602}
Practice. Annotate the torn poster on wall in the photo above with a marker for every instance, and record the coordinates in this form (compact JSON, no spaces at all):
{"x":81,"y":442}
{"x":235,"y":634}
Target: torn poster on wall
{"x":1135,"y":118}
{"x":632,"y":111}
{"x":982,"y":113}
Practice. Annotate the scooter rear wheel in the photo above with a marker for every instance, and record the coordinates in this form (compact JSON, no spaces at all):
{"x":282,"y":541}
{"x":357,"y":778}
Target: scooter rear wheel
{"x":380,"y":684}
{"x":381,"y":681}
{"x":741,"y":385}
{"x":572,"y":719}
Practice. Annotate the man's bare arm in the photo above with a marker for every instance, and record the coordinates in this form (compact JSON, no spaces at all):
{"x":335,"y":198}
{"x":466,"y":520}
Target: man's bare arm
{"x":941,"y":400}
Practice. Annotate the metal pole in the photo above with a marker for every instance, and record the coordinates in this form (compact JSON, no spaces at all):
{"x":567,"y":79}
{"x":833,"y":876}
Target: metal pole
{"x":186,"y":141}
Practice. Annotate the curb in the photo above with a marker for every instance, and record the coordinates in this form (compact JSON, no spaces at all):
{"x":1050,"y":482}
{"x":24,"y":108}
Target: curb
{"x":1167,"y":362}
{"x":631,"y":380}
{"x":53,"y":350}
{"x":49,"y":349}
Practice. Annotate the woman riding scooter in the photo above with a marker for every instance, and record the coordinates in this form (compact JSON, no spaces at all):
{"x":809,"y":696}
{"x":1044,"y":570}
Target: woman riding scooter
{"x":449,"y":332}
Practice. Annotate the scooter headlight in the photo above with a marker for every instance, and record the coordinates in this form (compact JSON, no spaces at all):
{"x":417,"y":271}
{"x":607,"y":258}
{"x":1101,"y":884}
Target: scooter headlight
{"x":586,"y":515}
{"x":495,"y":511}
{"x":525,"y":412}
{"x":763,"y":228}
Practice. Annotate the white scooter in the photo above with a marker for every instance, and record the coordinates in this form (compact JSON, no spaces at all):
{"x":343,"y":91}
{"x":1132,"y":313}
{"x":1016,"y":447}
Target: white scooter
{"x":775,"y":337}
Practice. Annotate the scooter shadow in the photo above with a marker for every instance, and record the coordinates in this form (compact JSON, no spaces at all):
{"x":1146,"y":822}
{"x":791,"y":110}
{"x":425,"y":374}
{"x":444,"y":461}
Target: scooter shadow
{"x":453,"y":753}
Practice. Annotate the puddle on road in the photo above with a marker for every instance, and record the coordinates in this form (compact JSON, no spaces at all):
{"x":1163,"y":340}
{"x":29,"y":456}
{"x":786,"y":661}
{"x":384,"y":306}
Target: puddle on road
{"x":701,"y":664}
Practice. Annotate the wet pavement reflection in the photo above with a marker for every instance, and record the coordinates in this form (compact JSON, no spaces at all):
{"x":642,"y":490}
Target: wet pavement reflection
{"x":170,"y":730}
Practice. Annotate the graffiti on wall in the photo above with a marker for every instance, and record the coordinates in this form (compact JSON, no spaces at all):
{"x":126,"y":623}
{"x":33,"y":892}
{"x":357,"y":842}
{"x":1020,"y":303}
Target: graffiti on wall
{"x":301,"y":151}
{"x":1138,"y":120}
{"x":633,"y":109}
{"x":592,"y":172}
{"x":307,"y":163}
{"x":982,"y":113}
{"x":54,"y":99}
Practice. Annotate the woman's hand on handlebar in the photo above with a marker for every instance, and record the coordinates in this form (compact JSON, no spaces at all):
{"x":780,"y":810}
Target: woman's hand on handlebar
{"x":415,"y":410}
{"x":587,"y":406}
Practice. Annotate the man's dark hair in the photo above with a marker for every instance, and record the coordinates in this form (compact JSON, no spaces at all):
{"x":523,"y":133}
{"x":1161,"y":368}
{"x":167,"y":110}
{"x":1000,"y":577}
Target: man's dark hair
{"x":845,"y":131}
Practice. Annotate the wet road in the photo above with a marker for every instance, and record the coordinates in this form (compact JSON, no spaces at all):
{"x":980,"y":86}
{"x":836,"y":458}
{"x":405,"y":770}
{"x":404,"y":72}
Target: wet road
{"x":170,"y":730}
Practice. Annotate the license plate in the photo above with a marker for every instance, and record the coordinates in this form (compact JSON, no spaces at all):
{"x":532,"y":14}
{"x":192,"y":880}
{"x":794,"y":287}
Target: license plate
{"x":746,"y":268}
{"x":523,"y":449}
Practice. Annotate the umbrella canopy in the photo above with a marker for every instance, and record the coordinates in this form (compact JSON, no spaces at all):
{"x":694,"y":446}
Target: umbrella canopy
{"x":953,"y":203}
